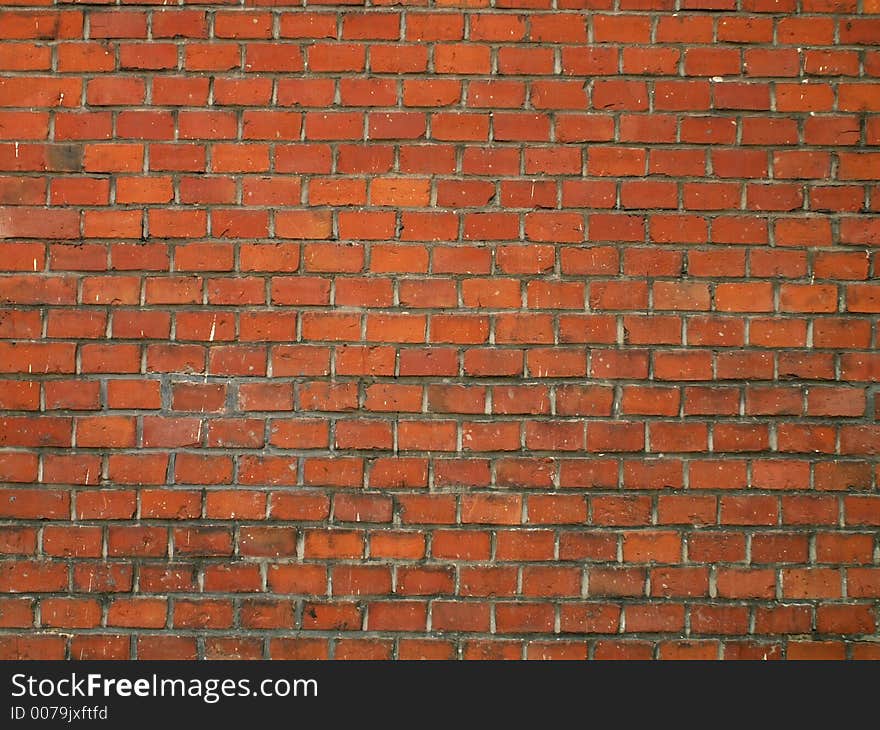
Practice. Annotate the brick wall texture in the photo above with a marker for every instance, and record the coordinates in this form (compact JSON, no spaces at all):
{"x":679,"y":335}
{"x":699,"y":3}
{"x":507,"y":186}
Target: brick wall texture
{"x":448,"y":329}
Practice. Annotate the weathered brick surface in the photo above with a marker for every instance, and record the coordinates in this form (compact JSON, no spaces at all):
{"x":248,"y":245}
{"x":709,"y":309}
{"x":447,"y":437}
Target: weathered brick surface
{"x":525,"y":328}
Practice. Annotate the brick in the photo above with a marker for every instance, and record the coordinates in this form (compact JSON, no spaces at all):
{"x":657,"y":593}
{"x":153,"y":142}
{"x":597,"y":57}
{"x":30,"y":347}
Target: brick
{"x":313,"y":329}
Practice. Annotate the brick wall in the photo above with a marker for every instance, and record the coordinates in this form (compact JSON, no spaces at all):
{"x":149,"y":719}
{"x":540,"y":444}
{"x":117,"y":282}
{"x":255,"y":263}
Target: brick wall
{"x":508,"y":329}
